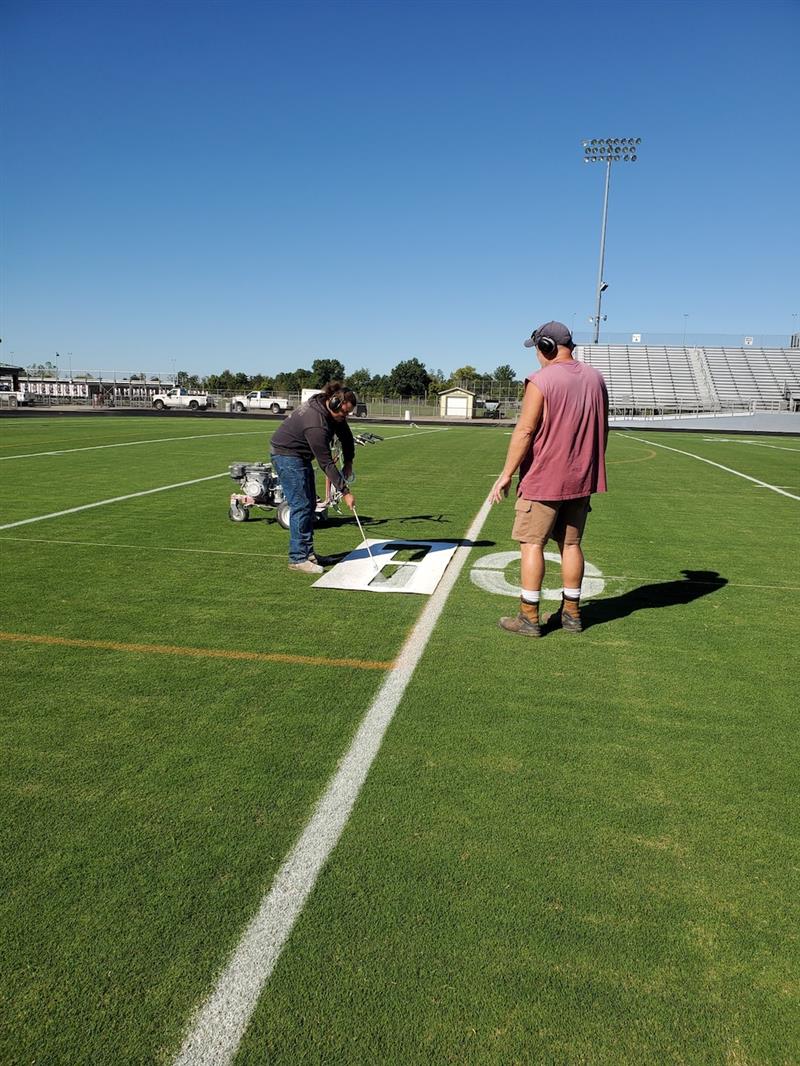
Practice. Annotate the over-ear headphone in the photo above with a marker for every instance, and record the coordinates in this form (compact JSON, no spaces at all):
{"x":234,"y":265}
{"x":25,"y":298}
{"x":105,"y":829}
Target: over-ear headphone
{"x":336,"y":401}
{"x":546,"y":345}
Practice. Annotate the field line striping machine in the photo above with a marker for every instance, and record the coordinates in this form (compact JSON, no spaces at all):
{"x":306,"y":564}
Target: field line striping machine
{"x":261,"y":487}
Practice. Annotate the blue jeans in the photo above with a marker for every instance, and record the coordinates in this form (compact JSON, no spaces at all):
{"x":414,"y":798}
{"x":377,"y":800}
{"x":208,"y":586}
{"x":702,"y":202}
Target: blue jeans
{"x":297,"y":481}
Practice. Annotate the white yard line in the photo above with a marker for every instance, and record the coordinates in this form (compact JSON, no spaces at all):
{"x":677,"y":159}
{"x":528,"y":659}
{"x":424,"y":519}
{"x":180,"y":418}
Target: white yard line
{"x":114,"y":499}
{"x":727,"y":469}
{"x":106,"y":545}
{"x":142,"y":547}
{"x":162,"y":488}
{"x":421,"y":433}
{"x":753,"y":443}
{"x":196,"y":436}
{"x":221,"y":1021}
{"x":131,"y":443}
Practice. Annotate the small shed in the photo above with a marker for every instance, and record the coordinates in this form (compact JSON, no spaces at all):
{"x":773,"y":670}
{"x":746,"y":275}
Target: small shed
{"x":456,"y":403}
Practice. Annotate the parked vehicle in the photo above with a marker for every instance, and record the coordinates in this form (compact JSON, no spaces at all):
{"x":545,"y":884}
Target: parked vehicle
{"x":11,"y":397}
{"x":261,"y":400}
{"x":181,"y":397}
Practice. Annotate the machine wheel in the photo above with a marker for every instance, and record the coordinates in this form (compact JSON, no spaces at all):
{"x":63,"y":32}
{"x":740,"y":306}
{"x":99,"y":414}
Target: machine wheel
{"x":284,"y":512}
{"x":275,"y":408}
{"x":159,"y":405}
{"x":238,"y":407}
{"x":193,"y":405}
{"x":238,"y":512}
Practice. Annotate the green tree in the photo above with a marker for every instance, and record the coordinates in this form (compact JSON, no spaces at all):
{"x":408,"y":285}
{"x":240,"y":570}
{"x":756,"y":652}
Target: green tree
{"x":263,"y":381}
{"x":325,"y":370}
{"x":438,"y":382}
{"x":306,"y":379}
{"x":359,"y":380}
{"x":379,"y":386}
{"x":409,"y":378}
{"x":464,"y":375}
{"x":43,"y":370}
{"x":505,"y":373}
{"x":224,"y":382}
{"x":286,"y":383}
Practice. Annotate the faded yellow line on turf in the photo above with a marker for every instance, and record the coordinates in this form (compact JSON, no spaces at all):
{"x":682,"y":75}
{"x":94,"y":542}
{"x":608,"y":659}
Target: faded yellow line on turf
{"x":197,"y":653}
{"x":642,"y":459}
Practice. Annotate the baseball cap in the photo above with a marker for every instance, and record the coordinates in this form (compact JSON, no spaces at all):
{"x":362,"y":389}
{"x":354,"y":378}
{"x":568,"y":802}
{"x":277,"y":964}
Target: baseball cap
{"x":557,"y":331}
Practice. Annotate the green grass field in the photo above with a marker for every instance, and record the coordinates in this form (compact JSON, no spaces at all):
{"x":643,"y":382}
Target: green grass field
{"x":582,"y":849}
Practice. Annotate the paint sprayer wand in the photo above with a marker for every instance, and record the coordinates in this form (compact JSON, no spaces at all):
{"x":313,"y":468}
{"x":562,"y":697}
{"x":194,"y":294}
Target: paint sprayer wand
{"x":364,"y":537}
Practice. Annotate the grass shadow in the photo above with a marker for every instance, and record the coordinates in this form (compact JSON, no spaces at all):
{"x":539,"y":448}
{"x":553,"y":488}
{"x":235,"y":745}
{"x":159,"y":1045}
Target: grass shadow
{"x":334,"y":520}
{"x":692,"y":586}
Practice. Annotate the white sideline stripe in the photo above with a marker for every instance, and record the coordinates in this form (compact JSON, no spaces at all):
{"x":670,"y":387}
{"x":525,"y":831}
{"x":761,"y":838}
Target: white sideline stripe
{"x":162,"y":488}
{"x":753,"y":443}
{"x":396,"y":436}
{"x":221,"y":1021}
{"x":738,"y":473}
{"x":166,"y":440}
{"x":130,"y":444}
{"x":114,"y":499}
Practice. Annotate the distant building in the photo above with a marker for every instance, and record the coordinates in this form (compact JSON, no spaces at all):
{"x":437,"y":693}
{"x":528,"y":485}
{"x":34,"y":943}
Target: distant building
{"x":456,"y":403}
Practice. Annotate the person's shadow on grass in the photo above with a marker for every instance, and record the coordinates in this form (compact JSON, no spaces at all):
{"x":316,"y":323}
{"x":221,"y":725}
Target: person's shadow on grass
{"x":696,"y":583}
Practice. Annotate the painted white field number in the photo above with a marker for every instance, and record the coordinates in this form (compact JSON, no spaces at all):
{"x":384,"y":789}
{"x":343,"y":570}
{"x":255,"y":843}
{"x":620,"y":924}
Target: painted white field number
{"x":489,"y":573}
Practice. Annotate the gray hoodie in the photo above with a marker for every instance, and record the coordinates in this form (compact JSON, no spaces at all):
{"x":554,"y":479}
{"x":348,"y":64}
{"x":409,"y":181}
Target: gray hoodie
{"x":307,"y":434}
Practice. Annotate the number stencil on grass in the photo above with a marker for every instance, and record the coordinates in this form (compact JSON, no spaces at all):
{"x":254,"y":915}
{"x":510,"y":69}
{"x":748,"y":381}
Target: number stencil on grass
{"x":395,"y":566}
{"x":488,"y":574}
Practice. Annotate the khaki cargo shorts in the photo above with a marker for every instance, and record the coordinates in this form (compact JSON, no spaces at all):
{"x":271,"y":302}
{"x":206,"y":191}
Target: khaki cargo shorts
{"x":536,"y":521}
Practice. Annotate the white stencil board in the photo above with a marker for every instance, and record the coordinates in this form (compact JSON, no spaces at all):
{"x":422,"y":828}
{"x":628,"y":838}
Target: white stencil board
{"x":396,"y":572}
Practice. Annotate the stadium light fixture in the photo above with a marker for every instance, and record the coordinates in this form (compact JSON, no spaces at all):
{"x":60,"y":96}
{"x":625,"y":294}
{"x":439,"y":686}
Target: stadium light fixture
{"x":609,"y":150}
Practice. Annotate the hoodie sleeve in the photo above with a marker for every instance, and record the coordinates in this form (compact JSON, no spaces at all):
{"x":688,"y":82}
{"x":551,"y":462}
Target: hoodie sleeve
{"x":318,"y":442}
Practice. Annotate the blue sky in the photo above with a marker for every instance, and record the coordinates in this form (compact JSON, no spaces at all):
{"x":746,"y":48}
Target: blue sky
{"x":257,"y":185}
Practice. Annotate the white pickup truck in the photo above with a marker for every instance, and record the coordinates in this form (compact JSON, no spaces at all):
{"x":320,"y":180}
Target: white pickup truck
{"x":180,"y":397}
{"x":11,"y":397}
{"x":260,"y":400}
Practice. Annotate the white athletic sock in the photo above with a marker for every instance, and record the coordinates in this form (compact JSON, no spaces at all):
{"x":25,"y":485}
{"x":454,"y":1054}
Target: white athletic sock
{"x":530,"y":595}
{"x":572,"y":594}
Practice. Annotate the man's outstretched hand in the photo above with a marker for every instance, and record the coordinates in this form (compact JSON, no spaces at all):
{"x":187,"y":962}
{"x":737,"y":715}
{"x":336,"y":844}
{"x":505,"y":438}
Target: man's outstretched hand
{"x":500,"y":488}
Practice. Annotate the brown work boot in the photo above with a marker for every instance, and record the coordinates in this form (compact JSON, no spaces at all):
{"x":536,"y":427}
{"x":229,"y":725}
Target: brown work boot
{"x":568,"y":616}
{"x":526,"y":623}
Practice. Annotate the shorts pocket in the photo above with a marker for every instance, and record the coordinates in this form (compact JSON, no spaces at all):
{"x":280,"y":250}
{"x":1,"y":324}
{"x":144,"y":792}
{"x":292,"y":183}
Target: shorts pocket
{"x":523,"y":505}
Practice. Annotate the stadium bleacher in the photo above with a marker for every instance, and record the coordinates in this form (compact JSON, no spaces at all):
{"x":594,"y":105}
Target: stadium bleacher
{"x":681,"y":378}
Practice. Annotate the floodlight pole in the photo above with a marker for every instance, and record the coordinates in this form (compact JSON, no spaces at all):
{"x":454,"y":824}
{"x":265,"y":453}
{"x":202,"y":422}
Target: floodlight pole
{"x":607,"y":150}
{"x":600,"y":286}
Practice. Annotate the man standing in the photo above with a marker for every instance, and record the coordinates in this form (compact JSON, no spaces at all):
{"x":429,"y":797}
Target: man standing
{"x":559,"y":446}
{"x":305,"y":435}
